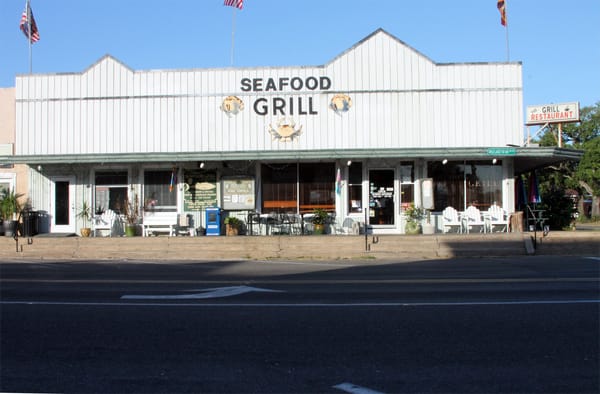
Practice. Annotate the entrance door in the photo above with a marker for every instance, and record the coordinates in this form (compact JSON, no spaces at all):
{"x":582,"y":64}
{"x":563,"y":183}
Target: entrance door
{"x":63,"y":205}
{"x":381,"y":197}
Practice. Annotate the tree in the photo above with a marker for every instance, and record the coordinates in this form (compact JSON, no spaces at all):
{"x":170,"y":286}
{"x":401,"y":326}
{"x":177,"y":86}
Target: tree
{"x":585,"y":175}
{"x":588,"y":170}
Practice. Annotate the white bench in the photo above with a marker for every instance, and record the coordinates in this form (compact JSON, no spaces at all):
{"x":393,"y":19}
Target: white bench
{"x":159,"y":222}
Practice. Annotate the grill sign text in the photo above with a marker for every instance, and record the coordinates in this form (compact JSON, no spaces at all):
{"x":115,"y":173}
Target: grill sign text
{"x":283,"y":106}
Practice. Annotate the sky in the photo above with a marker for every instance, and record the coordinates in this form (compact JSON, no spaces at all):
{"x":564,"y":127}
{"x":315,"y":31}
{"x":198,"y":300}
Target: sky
{"x":557,"y":41}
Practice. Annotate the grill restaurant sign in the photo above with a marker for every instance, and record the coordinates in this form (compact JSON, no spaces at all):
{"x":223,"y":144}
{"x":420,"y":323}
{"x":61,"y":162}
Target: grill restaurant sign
{"x":553,"y":113}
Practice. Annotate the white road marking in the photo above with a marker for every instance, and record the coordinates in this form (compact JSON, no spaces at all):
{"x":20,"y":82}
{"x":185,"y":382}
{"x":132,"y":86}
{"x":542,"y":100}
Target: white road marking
{"x":593,"y":258}
{"x":354,"y":389}
{"x":312,"y":281}
{"x":305,"y":305}
{"x":217,"y":292}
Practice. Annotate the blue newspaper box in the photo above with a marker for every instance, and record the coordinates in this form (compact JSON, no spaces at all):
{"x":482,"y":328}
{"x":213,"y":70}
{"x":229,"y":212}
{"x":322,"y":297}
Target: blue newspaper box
{"x":213,"y":221}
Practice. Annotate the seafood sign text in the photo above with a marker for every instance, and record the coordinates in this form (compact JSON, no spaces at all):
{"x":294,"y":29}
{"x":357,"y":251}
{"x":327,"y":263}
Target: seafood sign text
{"x":291,"y":105}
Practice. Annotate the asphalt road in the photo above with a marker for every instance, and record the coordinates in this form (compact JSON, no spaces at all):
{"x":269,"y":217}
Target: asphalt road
{"x":527,"y":324}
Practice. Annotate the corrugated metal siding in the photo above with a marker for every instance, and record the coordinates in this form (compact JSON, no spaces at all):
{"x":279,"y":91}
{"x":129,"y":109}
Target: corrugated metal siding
{"x":400,"y":99}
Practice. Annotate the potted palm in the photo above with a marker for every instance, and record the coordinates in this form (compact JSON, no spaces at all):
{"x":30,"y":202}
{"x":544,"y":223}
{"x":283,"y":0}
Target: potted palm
{"x":132,"y":216}
{"x":318,"y":220}
{"x":413,"y":215}
{"x":9,"y":209}
{"x":232,"y":225}
{"x":85,"y":213}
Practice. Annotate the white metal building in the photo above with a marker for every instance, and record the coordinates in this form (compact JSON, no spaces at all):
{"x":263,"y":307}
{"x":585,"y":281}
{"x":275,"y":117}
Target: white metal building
{"x":356,"y":136}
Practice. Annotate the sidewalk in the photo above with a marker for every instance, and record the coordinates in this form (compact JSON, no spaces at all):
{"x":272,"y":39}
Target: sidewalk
{"x":326,"y":247}
{"x":588,"y":226}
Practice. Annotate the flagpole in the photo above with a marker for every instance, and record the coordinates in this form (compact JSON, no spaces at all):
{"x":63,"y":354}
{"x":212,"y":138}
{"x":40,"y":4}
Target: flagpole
{"x":28,"y":7}
{"x":506,"y":27}
{"x":232,"y":34}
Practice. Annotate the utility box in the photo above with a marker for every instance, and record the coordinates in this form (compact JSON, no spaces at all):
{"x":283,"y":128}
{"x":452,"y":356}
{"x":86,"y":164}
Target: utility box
{"x":213,"y":221}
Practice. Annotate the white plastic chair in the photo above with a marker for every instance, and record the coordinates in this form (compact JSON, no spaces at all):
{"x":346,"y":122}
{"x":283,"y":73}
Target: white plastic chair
{"x":451,"y":220}
{"x":105,"y":221}
{"x":183,"y":226}
{"x":347,"y":227}
{"x":472,"y":218}
{"x":497,"y":216}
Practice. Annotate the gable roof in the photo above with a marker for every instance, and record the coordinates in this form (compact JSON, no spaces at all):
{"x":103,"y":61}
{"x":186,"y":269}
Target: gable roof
{"x":370,"y":37}
{"x":107,"y":59}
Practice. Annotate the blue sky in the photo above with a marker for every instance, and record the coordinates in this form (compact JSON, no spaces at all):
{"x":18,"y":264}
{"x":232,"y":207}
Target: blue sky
{"x":558,"y":42}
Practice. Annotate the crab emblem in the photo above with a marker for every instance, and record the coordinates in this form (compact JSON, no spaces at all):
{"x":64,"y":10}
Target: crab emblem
{"x":340,"y":103}
{"x":286,"y":130}
{"x":232,"y":105}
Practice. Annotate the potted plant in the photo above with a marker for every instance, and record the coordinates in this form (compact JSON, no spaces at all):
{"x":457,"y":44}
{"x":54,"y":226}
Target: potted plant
{"x":9,"y":208}
{"x":413,"y":215}
{"x":132,"y":216}
{"x":232,"y":225}
{"x":318,"y":220}
{"x":85,"y":213}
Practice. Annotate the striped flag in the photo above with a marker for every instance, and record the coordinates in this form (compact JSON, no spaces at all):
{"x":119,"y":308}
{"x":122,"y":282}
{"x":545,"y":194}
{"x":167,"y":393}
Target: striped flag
{"x":173,"y":180}
{"x":502,"y":9}
{"x":28,"y":25}
{"x":235,"y":3}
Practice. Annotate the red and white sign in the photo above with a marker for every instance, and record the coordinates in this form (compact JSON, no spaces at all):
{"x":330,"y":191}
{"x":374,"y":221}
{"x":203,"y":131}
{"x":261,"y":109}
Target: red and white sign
{"x":552,"y":113}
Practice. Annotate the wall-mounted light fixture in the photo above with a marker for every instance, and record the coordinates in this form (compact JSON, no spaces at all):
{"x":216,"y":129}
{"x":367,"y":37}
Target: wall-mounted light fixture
{"x":445,"y":161}
{"x":349,"y":163}
{"x":494,"y":160}
{"x":201,"y":164}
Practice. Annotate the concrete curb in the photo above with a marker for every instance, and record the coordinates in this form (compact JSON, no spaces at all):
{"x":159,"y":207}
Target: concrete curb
{"x":330,"y":247}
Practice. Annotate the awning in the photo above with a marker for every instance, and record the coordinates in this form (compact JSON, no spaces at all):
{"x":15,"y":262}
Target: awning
{"x":525,"y":158}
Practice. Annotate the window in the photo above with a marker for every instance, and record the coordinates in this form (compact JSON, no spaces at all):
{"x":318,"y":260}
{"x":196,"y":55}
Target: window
{"x":157,"y":194}
{"x":381,"y":196}
{"x":7,"y":182}
{"x":287,"y":186}
{"x":110,"y":191}
{"x":460,"y":184}
{"x":4,"y":186}
{"x":407,"y":185}
{"x":355,"y":188}
{"x":279,"y":187}
{"x":317,"y":186}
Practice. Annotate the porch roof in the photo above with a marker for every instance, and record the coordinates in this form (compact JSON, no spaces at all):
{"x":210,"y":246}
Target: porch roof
{"x":525,"y":158}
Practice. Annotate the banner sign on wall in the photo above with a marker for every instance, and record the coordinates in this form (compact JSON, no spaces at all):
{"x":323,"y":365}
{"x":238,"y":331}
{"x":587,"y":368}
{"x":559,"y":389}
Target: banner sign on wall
{"x":199,"y":190}
{"x":238,"y":193}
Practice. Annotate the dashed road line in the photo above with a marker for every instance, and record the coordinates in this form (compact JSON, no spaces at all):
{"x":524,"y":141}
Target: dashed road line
{"x":354,"y":389}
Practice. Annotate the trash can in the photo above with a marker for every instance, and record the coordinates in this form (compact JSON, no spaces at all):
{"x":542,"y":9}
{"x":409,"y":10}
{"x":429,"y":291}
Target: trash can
{"x":516,"y":222}
{"x":30,"y":223}
{"x":213,"y":221}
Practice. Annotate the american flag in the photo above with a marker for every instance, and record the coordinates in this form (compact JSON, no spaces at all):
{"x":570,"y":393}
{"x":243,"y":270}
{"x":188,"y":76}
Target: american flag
{"x":28,"y":24}
{"x":502,"y":9}
{"x":235,"y":3}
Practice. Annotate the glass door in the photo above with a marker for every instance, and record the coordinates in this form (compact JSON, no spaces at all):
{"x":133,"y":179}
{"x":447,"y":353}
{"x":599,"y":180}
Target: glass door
{"x":381,"y":197}
{"x":63,"y":205}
